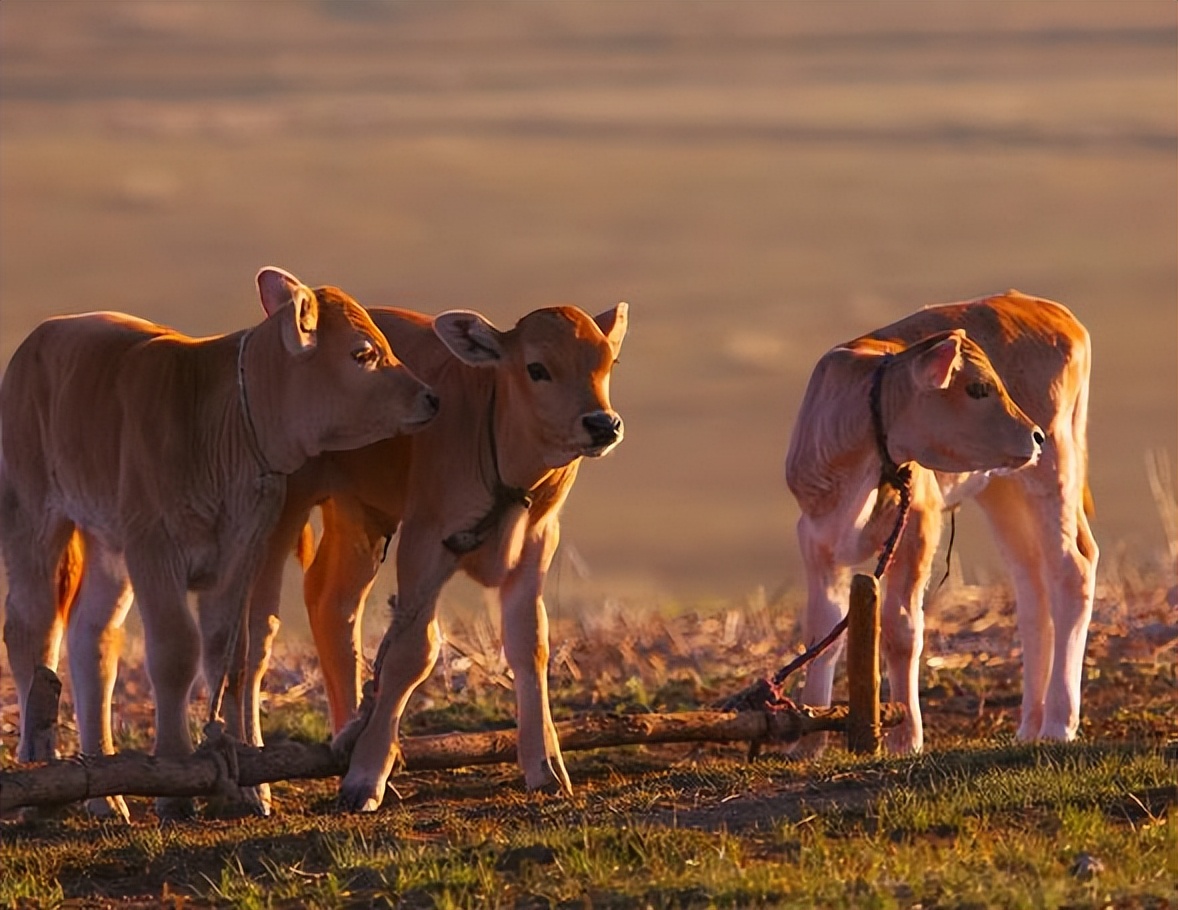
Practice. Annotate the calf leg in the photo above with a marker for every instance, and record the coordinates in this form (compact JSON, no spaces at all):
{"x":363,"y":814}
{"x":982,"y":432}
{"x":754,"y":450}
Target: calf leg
{"x":290,"y":531}
{"x":1017,"y":538}
{"x":525,"y":641}
{"x":1053,"y":555}
{"x":224,"y":625}
{"x":95,"y":635}
{"x":173,"y":652}
{"x":826,"y":605}
{"x":1073,"y":570}
{"x":409,"y":651}
{"x":902,"y":624}
{"x":223,"y":656}
{"x":335,"y":587}
{"x":243,"y":714}
{"x":43,"y":563}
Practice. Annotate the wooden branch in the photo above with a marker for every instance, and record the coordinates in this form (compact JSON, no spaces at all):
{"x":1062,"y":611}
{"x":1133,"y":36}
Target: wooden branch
{"x":204,"y":773}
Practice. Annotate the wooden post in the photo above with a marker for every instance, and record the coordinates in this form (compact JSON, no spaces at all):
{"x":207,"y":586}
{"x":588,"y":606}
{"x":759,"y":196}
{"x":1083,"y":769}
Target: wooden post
{"x":863,"y":729}
{"x":41,"y":710}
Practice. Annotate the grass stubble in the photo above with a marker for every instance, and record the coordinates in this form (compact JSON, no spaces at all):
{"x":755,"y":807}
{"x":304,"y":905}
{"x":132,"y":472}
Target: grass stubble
{"x":978,"y":820}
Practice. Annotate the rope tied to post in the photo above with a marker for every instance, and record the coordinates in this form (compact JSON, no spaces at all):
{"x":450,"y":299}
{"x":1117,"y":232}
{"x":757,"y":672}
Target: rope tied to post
{"x":219,"y":746}
{"x":769,"y":694}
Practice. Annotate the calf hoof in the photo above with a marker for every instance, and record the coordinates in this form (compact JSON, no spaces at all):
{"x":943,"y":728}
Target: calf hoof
{"x":359,"y":796}
{"x":112,"y":808}
{"x":902,"y":741}
{"x":264,"y":800}
{"x":1057,"y":732}
{"x":551,"y":787}
{"x":175,"y":808}
{"x":548,"y":780}
{"x":1028,"y":730}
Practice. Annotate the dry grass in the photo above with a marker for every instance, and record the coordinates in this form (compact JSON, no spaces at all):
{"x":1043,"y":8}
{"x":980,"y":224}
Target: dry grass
{"x":635,"y":656}
{"x":976,"y":821}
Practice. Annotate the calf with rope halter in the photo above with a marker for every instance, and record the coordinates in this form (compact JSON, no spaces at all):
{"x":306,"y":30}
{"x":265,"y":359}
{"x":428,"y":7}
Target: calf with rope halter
{"x":135,"y":457}
{"x":480,"y":492}
{"x":985,"y":399}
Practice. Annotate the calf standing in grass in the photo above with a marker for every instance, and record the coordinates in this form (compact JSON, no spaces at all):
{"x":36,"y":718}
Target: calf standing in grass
{"x":985,"y":399}
{"x":479,"y":490}
{"x":134,"y":457}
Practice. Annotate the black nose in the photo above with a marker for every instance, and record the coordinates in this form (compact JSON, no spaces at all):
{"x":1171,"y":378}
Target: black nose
{"x":432,"y":401}
{"x":1037,"y":435}
{"x":603,"y":427}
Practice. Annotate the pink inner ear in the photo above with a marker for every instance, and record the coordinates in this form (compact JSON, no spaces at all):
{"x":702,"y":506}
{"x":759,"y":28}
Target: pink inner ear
{"x":942,"y":362}
{"x":276,"y":288}
{"x":613,"y":325}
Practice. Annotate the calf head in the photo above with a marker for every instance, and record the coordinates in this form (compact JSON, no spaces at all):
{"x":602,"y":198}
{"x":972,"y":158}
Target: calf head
{"x":554,"y":366}
{"x":331,"y":382}
{"x":946,"y":408}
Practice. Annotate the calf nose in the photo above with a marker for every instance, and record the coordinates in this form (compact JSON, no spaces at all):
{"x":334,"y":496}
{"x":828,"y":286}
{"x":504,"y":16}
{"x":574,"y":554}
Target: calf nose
{"x":603,"y":427}
{"x":432,"y":401}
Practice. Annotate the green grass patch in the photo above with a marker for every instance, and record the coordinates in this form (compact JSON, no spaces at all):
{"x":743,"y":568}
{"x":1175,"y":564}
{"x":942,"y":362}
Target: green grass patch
{"x":299,"y":720}
{"x":1001,"y":826}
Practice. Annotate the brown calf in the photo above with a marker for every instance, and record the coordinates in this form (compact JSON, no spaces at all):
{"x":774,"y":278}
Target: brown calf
{"x":479,"y":490}
{"x":134,"y":457}
{"x":962,"y":402}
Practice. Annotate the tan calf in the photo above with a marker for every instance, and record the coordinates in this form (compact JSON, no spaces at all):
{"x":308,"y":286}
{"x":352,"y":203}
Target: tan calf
{"x":963,"y":401}
{"x":134,"y":457}
{"x":479,"y":490}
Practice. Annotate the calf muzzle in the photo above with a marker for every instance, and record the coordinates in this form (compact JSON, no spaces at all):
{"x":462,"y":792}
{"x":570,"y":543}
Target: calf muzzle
{"x":604,"y":427}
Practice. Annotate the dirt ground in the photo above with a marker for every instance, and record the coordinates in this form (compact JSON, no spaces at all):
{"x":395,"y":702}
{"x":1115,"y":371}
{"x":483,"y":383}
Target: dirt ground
{"x":646,"y":660}
{"x":635,"y":660}
{"x":759,"y":180}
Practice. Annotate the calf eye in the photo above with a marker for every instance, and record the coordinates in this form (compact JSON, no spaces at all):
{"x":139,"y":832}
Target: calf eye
{"x":978,"y":390}
{"x":366,"y":355}
{"x":539,"y":372}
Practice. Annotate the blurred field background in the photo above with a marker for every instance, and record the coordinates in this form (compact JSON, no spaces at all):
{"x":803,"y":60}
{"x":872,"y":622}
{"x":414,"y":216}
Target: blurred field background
{"x":760,"y":180}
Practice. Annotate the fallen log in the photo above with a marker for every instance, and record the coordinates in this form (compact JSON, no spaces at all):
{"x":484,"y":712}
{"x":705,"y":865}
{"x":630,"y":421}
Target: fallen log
{"x":209,"y":770}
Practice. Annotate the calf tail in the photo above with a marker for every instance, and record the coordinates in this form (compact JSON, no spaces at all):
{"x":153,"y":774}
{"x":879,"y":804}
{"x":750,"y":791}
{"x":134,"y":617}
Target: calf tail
{"x":1085,"y":542}
{"x":305,"y":546}
{"x":69,"y":574}
{"x":1080,"y":417}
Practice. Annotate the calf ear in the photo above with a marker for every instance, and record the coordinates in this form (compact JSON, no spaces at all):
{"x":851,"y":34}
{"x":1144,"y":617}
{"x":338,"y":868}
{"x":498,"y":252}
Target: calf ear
{"x":277,"y":288}
{"x":470,"y":337}
{"x":935,"y":367}
{"x":613,"y":324}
